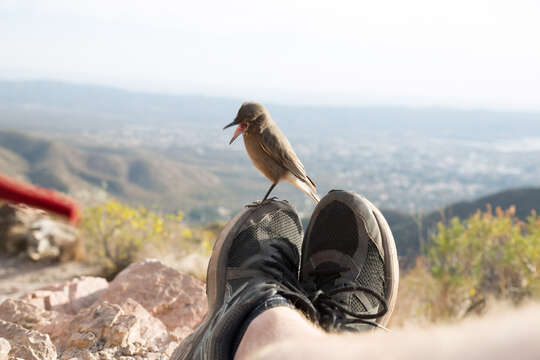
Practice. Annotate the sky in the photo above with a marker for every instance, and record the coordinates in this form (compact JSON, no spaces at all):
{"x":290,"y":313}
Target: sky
{"x":459,"y":53}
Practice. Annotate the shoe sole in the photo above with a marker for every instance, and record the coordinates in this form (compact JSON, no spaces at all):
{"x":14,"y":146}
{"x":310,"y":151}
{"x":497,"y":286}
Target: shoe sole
{"x":215,"y":273}
{"x":391,"y":264}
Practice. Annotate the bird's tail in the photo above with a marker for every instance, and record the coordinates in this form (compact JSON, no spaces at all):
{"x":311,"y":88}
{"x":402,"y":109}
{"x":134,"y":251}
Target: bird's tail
{"x":314,"y":196}
{"x":307,"y":187}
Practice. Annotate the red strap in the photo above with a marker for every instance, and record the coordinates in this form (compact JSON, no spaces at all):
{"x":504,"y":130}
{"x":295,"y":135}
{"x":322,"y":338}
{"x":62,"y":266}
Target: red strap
{"x":19,"y":192}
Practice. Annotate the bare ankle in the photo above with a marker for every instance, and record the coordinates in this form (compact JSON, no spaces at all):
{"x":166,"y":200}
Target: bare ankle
{"x":274,"y":326}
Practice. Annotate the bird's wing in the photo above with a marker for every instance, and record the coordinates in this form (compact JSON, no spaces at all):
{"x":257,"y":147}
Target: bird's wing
{"x":278,"y":148}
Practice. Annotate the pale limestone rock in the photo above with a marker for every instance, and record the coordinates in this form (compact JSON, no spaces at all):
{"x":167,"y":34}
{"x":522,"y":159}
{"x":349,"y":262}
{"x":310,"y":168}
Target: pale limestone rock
{"x":69,"y":297}
{"x":49,"y":239}
{"x":27,"y":344}
{"x":144,"y":314}
{"x":4,"y":349}
{"x":30,"y":230}
{"x":178,"y":300}
{"x":34,"y":318}
{"x":116,"y":330}
{"x":15,"y":222}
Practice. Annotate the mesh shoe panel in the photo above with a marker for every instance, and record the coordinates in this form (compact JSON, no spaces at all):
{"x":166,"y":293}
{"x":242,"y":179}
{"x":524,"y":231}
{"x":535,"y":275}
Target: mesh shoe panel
{"x":372,"y":277}
{"x":280,"y":224}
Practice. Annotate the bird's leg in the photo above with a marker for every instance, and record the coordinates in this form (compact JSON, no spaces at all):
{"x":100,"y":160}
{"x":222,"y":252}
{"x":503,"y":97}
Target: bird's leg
{"x":269,"y":191}
{"x":257,"y":203}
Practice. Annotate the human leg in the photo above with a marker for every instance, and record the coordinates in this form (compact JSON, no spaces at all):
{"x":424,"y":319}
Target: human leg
{"x":275,"y":326}
{"x":501,"y":335}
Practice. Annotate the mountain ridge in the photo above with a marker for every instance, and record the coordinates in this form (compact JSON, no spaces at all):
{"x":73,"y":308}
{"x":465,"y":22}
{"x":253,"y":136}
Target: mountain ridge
{"x":412,"y":231}
{"x":132,"y":175}
{"x":65,"y":106}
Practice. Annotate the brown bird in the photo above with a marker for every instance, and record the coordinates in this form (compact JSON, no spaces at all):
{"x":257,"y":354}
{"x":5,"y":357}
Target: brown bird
{"x":269,"y":149}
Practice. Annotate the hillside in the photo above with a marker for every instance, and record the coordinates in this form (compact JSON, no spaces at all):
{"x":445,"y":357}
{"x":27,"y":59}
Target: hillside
{"x":406,"y":227}
{"x":205,"y":184}
{"x":133,"y":175}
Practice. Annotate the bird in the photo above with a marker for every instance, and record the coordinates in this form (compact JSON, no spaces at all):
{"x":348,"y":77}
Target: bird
{"x":269,"y":149}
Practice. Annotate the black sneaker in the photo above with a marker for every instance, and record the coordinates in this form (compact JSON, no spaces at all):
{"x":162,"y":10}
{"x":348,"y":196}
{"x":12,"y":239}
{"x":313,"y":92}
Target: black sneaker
{"x":253,"y":267}
{"x":349,"y":263}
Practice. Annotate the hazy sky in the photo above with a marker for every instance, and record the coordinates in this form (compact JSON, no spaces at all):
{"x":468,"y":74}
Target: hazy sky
{"x":467,"y":53}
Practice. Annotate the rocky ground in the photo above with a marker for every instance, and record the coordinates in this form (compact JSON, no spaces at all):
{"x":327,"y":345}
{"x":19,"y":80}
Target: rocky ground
{"x":142,"y":314}
{"x":20,"y":275}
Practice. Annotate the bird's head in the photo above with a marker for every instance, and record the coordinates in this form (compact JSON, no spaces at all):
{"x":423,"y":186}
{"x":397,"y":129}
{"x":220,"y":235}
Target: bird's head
{"x":249,"y":113}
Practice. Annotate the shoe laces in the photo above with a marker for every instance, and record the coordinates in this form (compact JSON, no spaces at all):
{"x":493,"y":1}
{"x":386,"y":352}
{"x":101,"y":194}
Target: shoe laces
{"x":333,"y":312}
{"x":280,"y":261}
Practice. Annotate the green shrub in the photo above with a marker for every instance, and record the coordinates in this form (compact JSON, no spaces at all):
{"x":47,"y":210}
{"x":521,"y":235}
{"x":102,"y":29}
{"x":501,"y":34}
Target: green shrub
{"x":114,"y":233}
{"x":491,"y":255}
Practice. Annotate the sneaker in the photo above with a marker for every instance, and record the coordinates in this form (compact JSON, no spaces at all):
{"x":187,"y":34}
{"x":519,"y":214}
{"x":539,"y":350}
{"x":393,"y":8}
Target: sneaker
{"x":349,"y":263}
{"x":253,"y":267}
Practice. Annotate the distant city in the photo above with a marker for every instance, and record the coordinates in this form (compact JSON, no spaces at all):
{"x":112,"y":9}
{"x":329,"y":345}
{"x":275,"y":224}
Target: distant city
{"x":409,"y":173}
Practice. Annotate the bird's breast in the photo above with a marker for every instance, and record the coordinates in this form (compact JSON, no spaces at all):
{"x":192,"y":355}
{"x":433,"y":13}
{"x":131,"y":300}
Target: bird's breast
{"x":264,"y":163}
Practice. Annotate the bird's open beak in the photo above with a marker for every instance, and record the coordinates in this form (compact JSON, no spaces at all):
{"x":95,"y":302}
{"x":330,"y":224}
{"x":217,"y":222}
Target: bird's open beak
{"x":239,"y":130}
{"x":235,"y":122}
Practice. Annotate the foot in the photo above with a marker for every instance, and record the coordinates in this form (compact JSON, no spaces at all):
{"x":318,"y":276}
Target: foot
{"x":261,"y":202}
{"x":253,"y":267}
{"x":349,"y":263}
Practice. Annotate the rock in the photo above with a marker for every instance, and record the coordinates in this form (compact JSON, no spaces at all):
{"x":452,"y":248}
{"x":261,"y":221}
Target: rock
{"x":143,"y":314}
{"x":49,"y":239}
{"x":178,"y":300}
{"x":15,"y":221}
{"x":110,"y":329}
{"x":24,"y":229}
{"x":27,"y":344}
{"x":34,"y":318}
{"x":69,"y":297}
{"x":24,"y":314}
{"x":4,"y":349}
{"x":150,"y":331}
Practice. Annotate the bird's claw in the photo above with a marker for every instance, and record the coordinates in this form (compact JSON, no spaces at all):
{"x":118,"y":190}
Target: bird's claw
{"x":253,"y":204}
{"x":261,"y":202}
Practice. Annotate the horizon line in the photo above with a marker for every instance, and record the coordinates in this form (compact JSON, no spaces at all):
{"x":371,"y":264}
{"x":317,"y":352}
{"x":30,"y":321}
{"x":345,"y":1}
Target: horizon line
{"x":139,"y":91}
